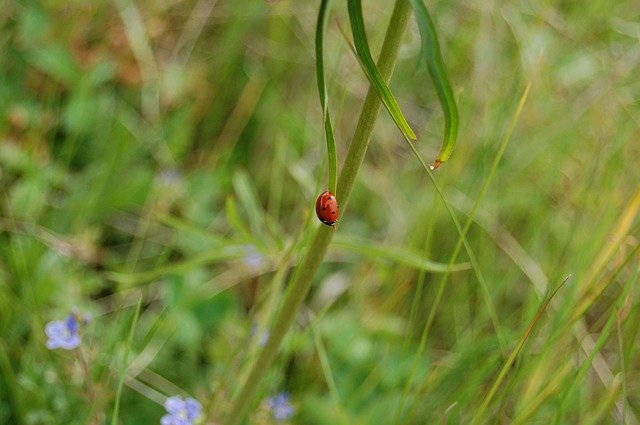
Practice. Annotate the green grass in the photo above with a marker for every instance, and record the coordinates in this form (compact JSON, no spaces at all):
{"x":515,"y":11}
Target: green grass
{"x":171,"y":152}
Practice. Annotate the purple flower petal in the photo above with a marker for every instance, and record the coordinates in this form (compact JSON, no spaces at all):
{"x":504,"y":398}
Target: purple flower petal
{"x":174,"y":405}
{"x":71,"y":323}
{"x":71,"y":343}
{"x":167,"y":420}
{"x":52,"y":344}
{"x":281,"y":408}
{"x":63,"y":334}
{"x":253,"y":258}
{"x":181,"y":412}
{"x":283,"y":413}
{"x":193,"y":408}
{"x":54,"y":329}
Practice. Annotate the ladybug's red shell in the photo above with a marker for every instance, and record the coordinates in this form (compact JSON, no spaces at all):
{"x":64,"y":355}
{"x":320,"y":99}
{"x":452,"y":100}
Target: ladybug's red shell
{"x":327,"y":208}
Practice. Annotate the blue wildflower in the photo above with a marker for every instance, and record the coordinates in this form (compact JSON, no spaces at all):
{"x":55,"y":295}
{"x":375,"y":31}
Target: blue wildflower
{"x":180,"y":412}
{"x":169,"y":177}
{"x":264,"y":338}
{"x":63,"y":333}
{"x":264,"y":334}
{"x":253,"y":258}
{"x":280,"y":406}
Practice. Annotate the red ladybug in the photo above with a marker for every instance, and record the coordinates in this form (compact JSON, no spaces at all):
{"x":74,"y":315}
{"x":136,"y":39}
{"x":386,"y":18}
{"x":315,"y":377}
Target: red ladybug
{"x":327,"y":208}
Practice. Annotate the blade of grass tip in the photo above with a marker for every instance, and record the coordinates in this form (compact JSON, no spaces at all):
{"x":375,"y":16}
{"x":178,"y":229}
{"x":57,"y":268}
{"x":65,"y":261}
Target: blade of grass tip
{"x":514,"y":354}
{"x":433,"y":59}
{"x":371,"y":70}
{"x":123,"y":366}
{"x":321,"y":28}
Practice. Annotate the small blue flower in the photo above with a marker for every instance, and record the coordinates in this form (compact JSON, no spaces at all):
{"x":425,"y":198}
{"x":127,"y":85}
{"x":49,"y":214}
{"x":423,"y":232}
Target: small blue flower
{"x":264,"y":338}
{"x":169,"y":177}
{"x":252,"y":257}
{"x":281,"y":407}
{"x":181,"y":412}
{"x":264,"y":334}
{"x":63,"y":333}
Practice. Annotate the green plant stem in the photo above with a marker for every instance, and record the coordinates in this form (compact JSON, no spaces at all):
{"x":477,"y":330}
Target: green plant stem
{"x":303,"y":277}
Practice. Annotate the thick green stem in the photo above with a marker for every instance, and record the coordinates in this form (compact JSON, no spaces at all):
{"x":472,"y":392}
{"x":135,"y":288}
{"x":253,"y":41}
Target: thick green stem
{"x":303,"y":276}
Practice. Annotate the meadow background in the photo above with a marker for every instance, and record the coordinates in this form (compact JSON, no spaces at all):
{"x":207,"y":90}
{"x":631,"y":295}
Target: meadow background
{"x":168,"y":154}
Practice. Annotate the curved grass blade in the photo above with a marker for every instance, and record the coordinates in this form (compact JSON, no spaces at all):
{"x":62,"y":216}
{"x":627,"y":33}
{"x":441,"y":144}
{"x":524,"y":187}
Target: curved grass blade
{"x":433,"y":58}
{"x":321,"y":27}
{"x":371,"y":70}
{"x":514,"y":354}
{"x":396,"y":255}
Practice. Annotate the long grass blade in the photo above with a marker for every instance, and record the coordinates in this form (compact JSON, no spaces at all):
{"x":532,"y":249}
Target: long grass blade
{"x":433,"y":59}
{"x":123,"y":366}
{"x":396,"y":255}
{"x":321,"y":27}
{"x":514,"y":354}
{"x":371,"y":70}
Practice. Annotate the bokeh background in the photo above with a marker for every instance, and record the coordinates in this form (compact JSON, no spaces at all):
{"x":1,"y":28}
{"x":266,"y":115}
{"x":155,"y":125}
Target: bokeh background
{"x":171,"y":152}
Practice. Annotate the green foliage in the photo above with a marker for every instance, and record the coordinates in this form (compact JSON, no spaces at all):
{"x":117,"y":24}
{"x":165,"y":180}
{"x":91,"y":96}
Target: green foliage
{"x":171,"y":152}
{"x":371,"y":70}
{"x":433,"y":59}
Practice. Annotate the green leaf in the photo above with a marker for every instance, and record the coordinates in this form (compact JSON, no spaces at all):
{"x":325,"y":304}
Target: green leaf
{"x":371,"y":70}
{"x":433,"y":58}
{"x":205,"y":258}
{"x":395,"y":254}
{"x":321,"y":26}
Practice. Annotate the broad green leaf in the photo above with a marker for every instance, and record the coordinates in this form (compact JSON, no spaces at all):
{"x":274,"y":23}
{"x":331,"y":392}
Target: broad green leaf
{"x":433,"y":59}
{"x":371,"y":70}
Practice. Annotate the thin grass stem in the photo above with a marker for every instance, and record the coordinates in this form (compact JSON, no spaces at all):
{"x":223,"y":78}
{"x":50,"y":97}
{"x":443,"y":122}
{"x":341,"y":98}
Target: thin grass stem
{"x":303,"y":277}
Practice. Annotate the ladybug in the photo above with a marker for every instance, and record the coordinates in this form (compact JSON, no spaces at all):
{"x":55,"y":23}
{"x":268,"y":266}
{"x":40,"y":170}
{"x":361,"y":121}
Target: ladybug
{"x":327,"y":208}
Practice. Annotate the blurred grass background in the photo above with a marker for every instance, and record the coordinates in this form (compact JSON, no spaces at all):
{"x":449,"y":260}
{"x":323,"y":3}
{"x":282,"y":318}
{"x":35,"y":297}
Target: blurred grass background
{"x":171,"y":151}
